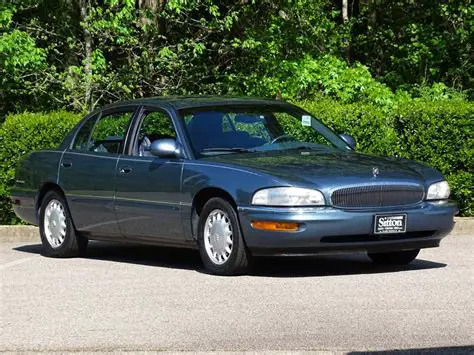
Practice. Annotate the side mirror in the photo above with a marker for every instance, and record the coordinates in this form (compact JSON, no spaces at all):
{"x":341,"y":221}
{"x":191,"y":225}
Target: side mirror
{"x":350,"y":141}
{"x":165,"y":148}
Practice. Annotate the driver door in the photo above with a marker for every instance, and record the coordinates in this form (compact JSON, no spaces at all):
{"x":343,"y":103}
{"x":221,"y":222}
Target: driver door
{"x":148,"y":188}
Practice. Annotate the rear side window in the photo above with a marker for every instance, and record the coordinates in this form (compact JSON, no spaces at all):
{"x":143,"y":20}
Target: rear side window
{"x":107,"y":135}
{"x":82,"y":137}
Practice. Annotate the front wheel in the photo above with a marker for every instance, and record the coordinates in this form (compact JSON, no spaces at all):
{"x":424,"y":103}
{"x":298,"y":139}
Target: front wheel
{"x":395,"y":257}
{"x":58,"y":236}
{"x":221,"y":244}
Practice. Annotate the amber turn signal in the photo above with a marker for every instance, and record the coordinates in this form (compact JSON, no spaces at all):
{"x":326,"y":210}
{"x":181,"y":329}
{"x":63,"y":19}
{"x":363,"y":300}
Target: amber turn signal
{"x":276,"y":226}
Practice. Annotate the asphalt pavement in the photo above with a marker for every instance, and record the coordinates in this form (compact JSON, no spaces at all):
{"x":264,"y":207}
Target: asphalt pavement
{"x":129,"y":298}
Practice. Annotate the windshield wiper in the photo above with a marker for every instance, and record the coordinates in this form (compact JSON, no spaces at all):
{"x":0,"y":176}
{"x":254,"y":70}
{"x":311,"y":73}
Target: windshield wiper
{"x":235,"y":149}
{"x":300,"y":147}
{"x":310,"y":147}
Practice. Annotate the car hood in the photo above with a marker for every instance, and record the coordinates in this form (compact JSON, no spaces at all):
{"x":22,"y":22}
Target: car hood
{"x":329,"y":167}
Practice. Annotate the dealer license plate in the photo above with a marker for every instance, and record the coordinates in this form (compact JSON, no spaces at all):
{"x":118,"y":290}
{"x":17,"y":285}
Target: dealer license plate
{"x":390,"y":224}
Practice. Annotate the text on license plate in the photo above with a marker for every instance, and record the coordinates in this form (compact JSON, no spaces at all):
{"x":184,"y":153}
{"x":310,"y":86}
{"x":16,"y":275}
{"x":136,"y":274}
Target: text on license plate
{"x":390,"y":224}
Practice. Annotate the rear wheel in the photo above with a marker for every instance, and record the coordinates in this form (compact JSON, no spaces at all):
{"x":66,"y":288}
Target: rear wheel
{"x":395,"y":257}
{"x":221,"y":244}
{"x":58,"y":236}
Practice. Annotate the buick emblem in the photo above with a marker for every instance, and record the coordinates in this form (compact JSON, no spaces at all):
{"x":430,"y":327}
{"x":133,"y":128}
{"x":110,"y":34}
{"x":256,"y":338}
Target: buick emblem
{"x":375,"y":172}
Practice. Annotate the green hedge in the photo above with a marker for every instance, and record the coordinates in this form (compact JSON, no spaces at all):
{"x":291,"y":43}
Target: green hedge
{"x":441,"y":134}
{"x":21,"y":134}
{"x":437,"y":133}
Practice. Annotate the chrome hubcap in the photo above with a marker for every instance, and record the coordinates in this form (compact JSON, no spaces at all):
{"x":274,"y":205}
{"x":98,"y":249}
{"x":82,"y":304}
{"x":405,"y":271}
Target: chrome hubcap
{"x":218,"y":239}
{"x":54,"y":223}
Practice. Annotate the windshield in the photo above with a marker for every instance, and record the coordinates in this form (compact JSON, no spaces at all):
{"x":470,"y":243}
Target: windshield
{"x":231,"y":129}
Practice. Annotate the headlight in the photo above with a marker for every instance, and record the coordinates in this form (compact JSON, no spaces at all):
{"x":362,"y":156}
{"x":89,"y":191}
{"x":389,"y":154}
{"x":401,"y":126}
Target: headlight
{"x":438,"y":191}
{"x":288,"y":196}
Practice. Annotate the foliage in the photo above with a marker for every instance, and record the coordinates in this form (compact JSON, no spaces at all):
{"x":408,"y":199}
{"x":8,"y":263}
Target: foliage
{"x":21,"y":62}
{"x":436,"y":92}
{"x":440,"y":134}
{"x":407,"y":42}
{"x":327,"y":75}
{"x":21,"y":134}
{"x":81,"y":54}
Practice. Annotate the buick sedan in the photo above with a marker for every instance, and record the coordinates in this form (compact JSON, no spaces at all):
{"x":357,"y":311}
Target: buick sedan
{"x":232,"y":177}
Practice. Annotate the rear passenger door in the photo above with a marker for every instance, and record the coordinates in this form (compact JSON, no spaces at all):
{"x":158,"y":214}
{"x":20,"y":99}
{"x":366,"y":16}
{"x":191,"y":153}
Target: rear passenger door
{"x":87,"y":171}
{"x":148,"y":188}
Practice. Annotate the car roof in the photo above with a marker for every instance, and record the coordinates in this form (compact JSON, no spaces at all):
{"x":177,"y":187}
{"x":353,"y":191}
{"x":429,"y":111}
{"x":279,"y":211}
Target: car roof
{"x":185,"y":102}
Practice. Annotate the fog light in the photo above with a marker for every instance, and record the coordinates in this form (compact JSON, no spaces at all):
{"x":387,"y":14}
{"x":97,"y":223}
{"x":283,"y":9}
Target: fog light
{"x":276,"y":226}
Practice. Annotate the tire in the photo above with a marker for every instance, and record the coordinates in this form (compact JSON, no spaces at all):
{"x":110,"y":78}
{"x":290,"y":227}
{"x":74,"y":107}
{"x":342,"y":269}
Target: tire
{"x":394,"y":258}
{"x":218,"y":232}
{"x":57,"y":232}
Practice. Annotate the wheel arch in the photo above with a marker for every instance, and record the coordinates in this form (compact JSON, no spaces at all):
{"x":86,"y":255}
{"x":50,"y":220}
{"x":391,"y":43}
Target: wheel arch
{"x":43,"y":190}
{"x":200,"y":199}
{"x":207,"y":193}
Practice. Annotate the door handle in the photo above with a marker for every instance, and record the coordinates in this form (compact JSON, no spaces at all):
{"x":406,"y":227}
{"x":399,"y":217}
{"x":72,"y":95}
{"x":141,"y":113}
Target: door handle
{"x":125,"y":170}
{"x":66,"y":164}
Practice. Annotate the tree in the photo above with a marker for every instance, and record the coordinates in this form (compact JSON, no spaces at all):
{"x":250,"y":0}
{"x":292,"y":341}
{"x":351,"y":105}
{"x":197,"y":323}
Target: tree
{"x":407,"y":42}
{"x":79,"y":54}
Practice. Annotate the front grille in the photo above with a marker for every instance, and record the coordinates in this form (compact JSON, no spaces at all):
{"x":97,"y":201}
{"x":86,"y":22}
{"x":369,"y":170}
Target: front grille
{"x":377,"y":196}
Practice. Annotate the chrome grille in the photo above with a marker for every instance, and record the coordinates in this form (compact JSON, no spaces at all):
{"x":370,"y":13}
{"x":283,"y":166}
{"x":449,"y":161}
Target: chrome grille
{"x":377,"y":196}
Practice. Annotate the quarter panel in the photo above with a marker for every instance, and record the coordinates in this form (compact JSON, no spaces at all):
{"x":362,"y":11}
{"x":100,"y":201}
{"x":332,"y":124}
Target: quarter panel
{"x":32,"y":173}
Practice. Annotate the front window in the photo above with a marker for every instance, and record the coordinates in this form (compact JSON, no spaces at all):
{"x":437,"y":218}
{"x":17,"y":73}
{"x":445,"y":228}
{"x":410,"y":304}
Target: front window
{"x":155,"y":125}
{"x":229,"y":129}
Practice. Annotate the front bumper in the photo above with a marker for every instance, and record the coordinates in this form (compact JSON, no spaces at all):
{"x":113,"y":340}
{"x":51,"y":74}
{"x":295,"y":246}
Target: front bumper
{"x":332,"y":230}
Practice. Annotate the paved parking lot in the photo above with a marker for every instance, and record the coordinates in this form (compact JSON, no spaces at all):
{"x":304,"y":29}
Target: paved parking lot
{"x":143,"y":298}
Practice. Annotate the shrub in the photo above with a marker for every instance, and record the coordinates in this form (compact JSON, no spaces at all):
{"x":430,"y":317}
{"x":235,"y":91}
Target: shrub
{"x":440,"y":134}
{"x":21,"y":134}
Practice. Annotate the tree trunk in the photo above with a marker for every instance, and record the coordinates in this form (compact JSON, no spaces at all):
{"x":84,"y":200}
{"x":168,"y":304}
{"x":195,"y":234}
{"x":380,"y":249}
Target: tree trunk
{"x":84,"y":7}
{"x":345,"y":11}
{"x":345,"y":19}
{"x":374,"y":19}
{"x":156,"y":7}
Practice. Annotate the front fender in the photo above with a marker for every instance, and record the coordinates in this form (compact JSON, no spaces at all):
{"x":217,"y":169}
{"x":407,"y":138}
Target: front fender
{"x":239,"y":183}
